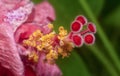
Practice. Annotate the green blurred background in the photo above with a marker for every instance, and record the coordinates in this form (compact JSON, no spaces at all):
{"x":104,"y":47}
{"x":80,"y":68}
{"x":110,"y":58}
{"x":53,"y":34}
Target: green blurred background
{"x":103,"y":58}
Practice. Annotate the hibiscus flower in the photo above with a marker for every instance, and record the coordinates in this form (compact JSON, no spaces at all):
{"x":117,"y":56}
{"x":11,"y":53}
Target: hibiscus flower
{"x":28,"y":44}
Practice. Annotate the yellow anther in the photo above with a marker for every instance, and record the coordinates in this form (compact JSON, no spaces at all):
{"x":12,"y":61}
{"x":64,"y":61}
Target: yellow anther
{"x":26,"y":42}
{"x":65,"y":54}
{"x":61,"y":43}
{"x":50,"y":47}
{"x":31,"y":37}
{"x":33,"y":56}
{"x":60,"y":50}
{"x":52,"y":55}
{"x":37,"y":33}
{"x":50,"y":26}
{"x":62,"y":33}
{"x":33,"y":43}
{"x":39,"y":48}
{"x":61,"y":28}
{"x":29,"y":43}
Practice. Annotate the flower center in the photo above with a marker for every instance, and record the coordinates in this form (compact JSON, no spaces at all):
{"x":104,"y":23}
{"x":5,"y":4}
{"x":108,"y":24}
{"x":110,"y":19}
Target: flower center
{"x":52,"y":44}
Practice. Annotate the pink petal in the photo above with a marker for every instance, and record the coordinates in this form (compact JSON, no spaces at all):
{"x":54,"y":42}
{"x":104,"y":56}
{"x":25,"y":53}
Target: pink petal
{"x":5,"y":72}
{"x":6,"y":6}
{"x":2,"y":71}
{"x":11,"y":1}
{"x":18,"y":16}
{"x":29,"y":71}
{"x":25,"y":30}
{"x":44,"y":13}
{"x":47,"y":69}
{"x":9,"y":5}
{"x":15,"y":2}
{"x":9,"y":57}
{"x":31,"y":16}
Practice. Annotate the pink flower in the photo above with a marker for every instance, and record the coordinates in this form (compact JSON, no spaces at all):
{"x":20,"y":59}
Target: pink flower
{"x":14,"y":28}
{"x":28,"y":44}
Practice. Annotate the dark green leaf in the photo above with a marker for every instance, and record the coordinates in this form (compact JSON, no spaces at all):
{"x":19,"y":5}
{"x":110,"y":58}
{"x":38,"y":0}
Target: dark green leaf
{"x":36,"y":1}
{"x":113,"y":18}
{"x":96,"y":6}
{"x":73,"y":66}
